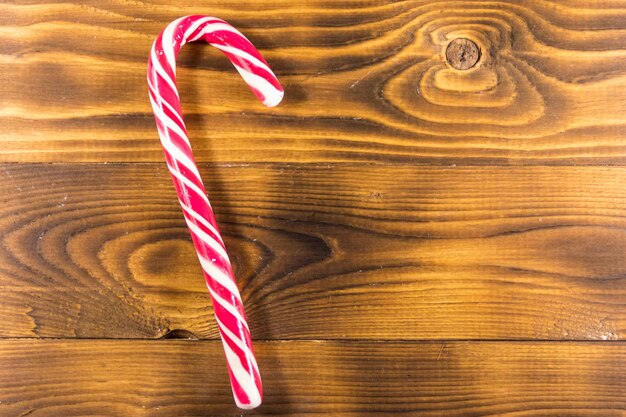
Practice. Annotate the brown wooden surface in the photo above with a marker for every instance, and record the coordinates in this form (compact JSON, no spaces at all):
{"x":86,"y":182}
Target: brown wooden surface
{"x":365,"y":81}
{"x":463,"y":252}
{"x":345,"y":379}
{"x":410,"y":239}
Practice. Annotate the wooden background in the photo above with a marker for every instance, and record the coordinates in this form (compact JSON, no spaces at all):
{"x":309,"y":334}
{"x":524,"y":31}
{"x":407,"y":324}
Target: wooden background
{"x":410,"y":239}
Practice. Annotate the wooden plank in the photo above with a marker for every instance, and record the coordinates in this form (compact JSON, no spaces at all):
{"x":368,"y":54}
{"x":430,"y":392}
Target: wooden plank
{"x":365,"y":80}
{"x":321,"y":251}
{"x":175,"y":378}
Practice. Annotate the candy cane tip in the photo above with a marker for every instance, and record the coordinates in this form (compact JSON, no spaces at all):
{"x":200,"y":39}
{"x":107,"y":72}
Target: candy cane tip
{"x":273,"y":99}
{"x":248,"y":406}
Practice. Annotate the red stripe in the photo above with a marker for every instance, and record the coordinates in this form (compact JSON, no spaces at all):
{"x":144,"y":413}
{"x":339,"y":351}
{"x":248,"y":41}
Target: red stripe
{"x":250,"y":66}
{"x":186,"y":173}
{"x":243,"y":356}
{"x":238,"y":390}
{"x":160,"y":55}
{"x":200,"y":207}
{"x":195,"y":202}
{"x":181,"y":144}
{"x":236,"y":40}
{"x":201,"y":27}
{"x":205,"y":251}
{"x":244,"y":336}
{"x":202,"y":227}
{"x":230,"y":321}
{"x":175,"y":138}
{"x":175,"y":116}
{"x":189,"y":196}
{"x":165,"y":91}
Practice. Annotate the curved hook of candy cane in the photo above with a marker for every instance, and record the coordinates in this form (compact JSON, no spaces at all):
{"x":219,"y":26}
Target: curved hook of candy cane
{"x":216,"y":266}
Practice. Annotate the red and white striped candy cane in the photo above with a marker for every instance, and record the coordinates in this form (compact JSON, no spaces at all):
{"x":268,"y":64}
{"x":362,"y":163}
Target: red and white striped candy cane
{"x":218,"y":273}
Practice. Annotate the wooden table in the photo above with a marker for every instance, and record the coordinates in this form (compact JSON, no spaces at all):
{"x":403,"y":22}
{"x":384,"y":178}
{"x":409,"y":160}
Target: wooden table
{"x":411,"y":239}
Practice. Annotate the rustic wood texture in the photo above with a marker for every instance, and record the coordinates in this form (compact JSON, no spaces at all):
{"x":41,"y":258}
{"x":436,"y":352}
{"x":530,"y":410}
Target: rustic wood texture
{"x":181,"y":378}
{"x":462,"y":252}
{"x":410,"y":239}
{"x":365,"y":81}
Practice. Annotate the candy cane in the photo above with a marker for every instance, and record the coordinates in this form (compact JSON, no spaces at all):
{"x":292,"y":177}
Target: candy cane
{"x":218,"y":273}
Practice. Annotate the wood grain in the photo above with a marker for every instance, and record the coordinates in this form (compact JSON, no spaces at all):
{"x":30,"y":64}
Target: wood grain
{"x":176,"y":378}
{"x":321,"y":251}
{"x":365,"y":81}
{"x":457,"y":238}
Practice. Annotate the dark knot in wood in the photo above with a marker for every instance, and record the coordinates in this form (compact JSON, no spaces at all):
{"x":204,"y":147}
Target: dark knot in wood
{"x":462,"y":54}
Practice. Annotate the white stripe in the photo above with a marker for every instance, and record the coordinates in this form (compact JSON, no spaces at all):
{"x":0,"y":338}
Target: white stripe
{"x":201,"y":219}
{"x":218,"y":275}
{"x":195,"y":26}
{"x":231,"y":309}
{"x":161,"y":71}
{"x":240,"y":344}
{"x":188,"y":183}
{"x":272,"y":95}
{"x":163,"y":101}
{"x":178,"y":154}
{"x":214,"y":27}
{"x":167,"y":39}
{"x":152,"y":88}
{"x":244,"y":55}
{"x":214,"y":244}
{"x":198,"y":36}
{"x":168,"y":121}
{"x":175,"y":112}
{"x":245,"y":380}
